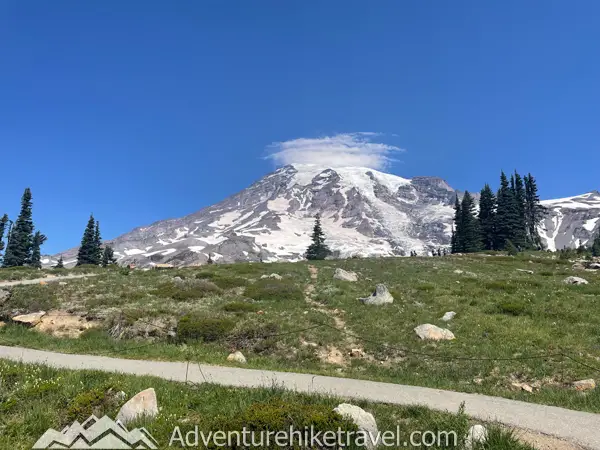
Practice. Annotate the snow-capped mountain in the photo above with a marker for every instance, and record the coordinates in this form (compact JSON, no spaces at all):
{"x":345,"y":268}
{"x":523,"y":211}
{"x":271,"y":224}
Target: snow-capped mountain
{"x":364,"y":212}
{"x":571,"y":221}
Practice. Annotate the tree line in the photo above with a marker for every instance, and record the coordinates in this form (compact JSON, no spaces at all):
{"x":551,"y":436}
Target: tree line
{"x":23,"y":243}
{"x":506,"y":220}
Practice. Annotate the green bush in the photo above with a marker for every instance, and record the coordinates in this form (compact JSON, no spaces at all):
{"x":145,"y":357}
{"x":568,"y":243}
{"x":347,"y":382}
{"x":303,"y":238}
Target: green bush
{"x":208,"y":329}
{"x":87,"y":403}
{"x":259,"y":338}
{"x":512,"y":308}
{"x":278,"y":414}
{"x":269,"y":289}
{"x":240,"y":307}
{"x":223,"y":281}
{"x":501,"y":286}
{"x":186,"y":291}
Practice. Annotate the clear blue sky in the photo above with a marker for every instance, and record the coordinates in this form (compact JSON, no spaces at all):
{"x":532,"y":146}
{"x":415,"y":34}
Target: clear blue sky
{"x":140,"y":111}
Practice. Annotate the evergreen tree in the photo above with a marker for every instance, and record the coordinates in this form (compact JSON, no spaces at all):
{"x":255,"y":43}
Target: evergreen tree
{"x":487,"y":218}
{"x":520,"y":232}
{"x":3,"y":222}
{"x":209,"y":260}
{"x":507,"y":214}
{"x":98,"y":244}
{"x":88,"y":251}
{"x":108,"y":256}
{"x":456,"y":242}
{"x":18,"y":249}
{"x":60,"y":264}
{"x":596,"y":245}
{"x":470,"y":237}
{"x":534,"y":212}
{"x":36,"y":256}
{"x":318,"y":249}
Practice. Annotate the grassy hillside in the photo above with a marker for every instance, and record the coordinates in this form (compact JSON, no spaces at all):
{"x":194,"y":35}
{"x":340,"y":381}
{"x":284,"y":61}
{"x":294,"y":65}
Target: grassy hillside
{"x":514,"y":330}
{"x":36,"y":398}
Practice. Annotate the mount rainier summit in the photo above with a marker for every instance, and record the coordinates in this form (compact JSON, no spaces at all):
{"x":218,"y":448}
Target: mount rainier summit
{"x":364,"y":213}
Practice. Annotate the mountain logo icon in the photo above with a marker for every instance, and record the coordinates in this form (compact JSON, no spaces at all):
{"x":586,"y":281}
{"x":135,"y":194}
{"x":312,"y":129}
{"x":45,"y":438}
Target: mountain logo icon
{"x":99,"y":434}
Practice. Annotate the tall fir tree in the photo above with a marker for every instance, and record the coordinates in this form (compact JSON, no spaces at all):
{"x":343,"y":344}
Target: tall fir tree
{"x":88,"y":251}
{"x":520,"y":233}
{"x":60,"y":263}
{"x":507,"y":214}
{"x":36,"y":255}
{"x":534,"y":212}
{"x":487,"y":218}
{"x":97,"y":244}
{"x":108,"y":256}
{"x":456,"y":243}
{"x":3,"y":223}
{"x":18,"y":249}
{"x":318,"y":249}
{"x":596,"y":245}
{"x":470,"y":234}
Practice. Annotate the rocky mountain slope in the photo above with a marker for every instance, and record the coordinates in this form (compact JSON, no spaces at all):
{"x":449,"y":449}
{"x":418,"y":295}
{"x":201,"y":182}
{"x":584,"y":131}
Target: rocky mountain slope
{"x":364,"y":213}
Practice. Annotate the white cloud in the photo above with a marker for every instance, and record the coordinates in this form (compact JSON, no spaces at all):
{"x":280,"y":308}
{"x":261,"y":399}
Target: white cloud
{"x":341,"y":150}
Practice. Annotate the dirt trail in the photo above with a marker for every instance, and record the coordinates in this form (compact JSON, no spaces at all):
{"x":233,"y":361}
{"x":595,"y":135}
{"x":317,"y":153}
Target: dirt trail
{"x":331,"y":354}
{"x":49,"y":279}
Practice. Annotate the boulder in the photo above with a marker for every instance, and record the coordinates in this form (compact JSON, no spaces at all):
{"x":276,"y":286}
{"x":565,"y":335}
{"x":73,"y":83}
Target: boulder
{"x":433,"y":333}
{"x":62,"y":324}
{"x":276,"y":276}
{"x":237,"y":357}
{"x":448,"y":316}
{"x":344,"y":275}
{"x":525,"y":271}
{"x":143,"y":404}
{"x":585,"y":385}
{"x":31,"y":319}
{"x":477,"y":434}
{"x":381,"y":296}
{"x":365,"y":422}
{"x":575,"y":280}
{"x":594,"y":266}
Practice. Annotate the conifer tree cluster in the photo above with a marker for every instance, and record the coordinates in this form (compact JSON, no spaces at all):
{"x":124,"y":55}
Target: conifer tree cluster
{"x":91,"y":250}
{"x":22,"y":244}
{"x":317,"y":249}
{"x":506,"y":220}
{"x":596,"y":245}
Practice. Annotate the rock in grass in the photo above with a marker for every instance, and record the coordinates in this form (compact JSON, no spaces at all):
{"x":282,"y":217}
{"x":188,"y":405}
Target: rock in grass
{"x":585,"y":385}
{"x":30,"y":319}
{"x":381,"y":296}
{"x":594,"y":266}
{"x":448,"y":316}
{"x":3,"y":296}
{"x":362,"y":419}
{"x":476,"y":435}
{"x":344,"y":275}
{"x":275,"y":276}
{"x":433,"y":333}
{"x":459,"y":272}
{"x":525,"y":271}
{"x":237,"y":357}
{"x":575,"y":280}
{"x":143,"y":404}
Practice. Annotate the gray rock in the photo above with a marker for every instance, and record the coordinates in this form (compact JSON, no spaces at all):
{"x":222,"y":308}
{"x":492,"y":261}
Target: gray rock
{"x":575,"y":280}
{"x":585,"y":385}
{"x":431,"y":332}
{"x":4,"y":295}
{"x":143,"y":404}
{"x":344,"y":275}
{"x":594,"y":266}
{"x":381,"y":296}
{"x":448,"y":316}
{"x":459,"y":272}
{"x":275,"y":276}
{"x":237,"y":357}
{"x":362,"y":419}
{"x":477,"y":434}
{"x":525,"y":271}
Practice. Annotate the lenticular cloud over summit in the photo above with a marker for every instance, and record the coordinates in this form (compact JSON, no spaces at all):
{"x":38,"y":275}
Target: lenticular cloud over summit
{"x":341,"y":150}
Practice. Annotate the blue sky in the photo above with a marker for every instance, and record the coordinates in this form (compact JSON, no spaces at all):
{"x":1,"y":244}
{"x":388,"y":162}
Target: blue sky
{"x":140,"y":111}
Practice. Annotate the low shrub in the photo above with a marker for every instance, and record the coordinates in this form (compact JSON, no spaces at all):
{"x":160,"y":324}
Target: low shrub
{"x":240,"y":307}
{"x":501,"y":286}
{"x":270,"y":289}
{"x":259,"y":338}
{"x":186,"y":291}
{"x":512,"y":308}
{"x":95,"y":401}
{"x":207,"y":329}
{"x":223,"y":281}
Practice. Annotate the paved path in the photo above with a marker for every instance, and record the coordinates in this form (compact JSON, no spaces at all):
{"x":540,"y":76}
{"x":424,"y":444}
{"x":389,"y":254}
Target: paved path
{"x":46,"y":279}
{"x":578,"y":427}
